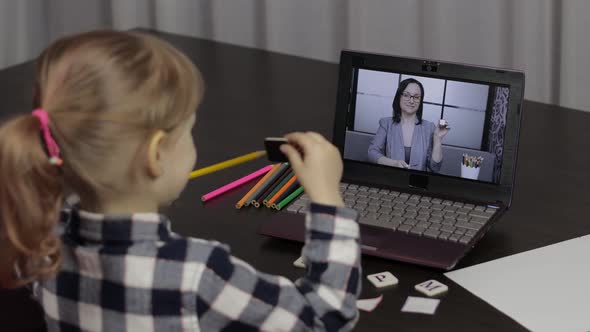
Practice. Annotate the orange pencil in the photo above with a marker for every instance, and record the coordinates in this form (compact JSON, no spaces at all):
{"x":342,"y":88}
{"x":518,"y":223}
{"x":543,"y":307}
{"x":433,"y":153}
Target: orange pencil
{"x":246,"y":197}
{"x":282,"y":190}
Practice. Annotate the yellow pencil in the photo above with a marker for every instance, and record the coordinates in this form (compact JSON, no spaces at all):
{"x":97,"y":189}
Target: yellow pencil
{"x":226,"y":164}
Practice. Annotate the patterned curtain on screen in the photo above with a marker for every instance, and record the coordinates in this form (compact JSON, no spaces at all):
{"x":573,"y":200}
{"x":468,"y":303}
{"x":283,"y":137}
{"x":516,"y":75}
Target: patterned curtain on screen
{"x":497,"y":124}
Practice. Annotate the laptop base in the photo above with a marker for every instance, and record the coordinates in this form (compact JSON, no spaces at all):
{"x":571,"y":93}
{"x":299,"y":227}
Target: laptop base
{"x":395,"y":246}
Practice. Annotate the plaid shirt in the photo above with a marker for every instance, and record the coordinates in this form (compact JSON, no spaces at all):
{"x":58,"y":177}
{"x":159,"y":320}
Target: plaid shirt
{"x":131,"y":273}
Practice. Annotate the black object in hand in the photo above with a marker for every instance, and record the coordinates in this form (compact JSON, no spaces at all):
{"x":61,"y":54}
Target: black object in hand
{"x":273,"y":151}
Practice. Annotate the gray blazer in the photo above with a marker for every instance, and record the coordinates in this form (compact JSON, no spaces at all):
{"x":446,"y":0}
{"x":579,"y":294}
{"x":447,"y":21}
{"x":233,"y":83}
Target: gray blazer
{"x":388,"y":142}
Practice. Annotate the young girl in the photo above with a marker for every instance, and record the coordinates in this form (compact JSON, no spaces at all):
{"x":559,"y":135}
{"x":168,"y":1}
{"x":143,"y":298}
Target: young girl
{"x":112,"y":120}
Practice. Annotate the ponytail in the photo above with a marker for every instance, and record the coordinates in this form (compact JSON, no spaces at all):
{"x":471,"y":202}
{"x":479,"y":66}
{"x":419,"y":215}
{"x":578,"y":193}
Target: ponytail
{"x":100,"y":88}
{"x":31,"y":195}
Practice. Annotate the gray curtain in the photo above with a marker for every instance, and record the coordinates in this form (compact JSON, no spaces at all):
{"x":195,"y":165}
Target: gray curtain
{"x":545,"y":38}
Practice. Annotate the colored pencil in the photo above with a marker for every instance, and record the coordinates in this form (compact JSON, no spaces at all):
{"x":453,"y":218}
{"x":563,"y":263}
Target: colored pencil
{"x":245,"y":201}
{"x":279,"y":187}
{"x":472,"y":161}
{"x":236,"y":183}
{"x":263,"y":182}
{"x":269,"y":182}
{"x":290,"y":198}
{"x":282,"y":190}
{"x":291,"y":187}
{"x":270,"y":189}
{"x":226,"y":164}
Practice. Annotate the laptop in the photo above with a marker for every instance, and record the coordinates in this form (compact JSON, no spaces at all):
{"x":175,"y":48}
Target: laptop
{"x":422,"y":200}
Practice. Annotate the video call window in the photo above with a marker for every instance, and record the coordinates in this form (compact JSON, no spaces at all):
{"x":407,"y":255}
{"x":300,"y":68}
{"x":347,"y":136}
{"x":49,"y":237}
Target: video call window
{"x":456,"y":102}
{"x":475,"y":113}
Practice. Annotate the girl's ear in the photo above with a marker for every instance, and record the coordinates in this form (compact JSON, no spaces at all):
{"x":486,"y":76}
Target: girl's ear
{"x":154,"y":154}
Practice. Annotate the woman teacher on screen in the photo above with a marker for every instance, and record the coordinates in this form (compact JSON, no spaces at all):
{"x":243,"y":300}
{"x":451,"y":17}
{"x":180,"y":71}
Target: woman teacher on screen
{"x":406,"y":140}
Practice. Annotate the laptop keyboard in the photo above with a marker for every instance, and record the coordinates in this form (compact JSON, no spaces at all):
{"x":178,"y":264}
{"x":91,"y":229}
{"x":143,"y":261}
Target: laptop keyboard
{"x":414,"y":214}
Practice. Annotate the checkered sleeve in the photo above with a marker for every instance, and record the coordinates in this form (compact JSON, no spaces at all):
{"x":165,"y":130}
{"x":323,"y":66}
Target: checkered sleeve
{"x":233,"y":295}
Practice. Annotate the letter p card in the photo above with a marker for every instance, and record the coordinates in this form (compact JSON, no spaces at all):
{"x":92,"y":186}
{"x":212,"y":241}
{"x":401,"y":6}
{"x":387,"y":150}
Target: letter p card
{"x":382,"y":279}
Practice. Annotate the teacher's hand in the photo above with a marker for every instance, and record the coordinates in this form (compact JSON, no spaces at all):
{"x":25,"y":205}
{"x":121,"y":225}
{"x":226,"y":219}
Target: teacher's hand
{"x":390,"y":162}
{"x":440,"y":133}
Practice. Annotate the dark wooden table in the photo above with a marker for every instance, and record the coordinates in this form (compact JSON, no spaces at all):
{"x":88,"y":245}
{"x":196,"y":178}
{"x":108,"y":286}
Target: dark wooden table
{"x":252,"y":93}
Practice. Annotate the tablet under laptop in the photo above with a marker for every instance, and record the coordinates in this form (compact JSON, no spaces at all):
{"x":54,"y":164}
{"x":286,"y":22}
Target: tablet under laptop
{"x":426,"y":192}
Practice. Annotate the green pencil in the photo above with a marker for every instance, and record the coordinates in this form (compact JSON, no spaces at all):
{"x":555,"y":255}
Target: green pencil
{"x":286,"y":193}
{"x":289,"y":198}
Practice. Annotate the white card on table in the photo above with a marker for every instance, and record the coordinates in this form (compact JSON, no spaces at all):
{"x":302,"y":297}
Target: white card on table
{"x":368,"y":305}
{"x":420,"y":305}
{"x":299,"y":262}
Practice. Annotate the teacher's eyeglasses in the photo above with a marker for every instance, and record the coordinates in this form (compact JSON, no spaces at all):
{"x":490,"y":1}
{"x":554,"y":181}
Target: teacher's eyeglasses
{"x":408,"y":96}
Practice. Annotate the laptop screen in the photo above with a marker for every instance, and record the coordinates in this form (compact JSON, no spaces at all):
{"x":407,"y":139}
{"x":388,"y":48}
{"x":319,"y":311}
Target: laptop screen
{"x":428,"y":124}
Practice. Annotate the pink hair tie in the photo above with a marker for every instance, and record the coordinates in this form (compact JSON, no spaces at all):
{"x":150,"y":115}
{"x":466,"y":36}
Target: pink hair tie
{"x":52,"y":147}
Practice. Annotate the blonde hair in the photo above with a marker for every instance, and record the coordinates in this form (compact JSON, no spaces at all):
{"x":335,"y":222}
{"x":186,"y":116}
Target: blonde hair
{"x":99,"y":89}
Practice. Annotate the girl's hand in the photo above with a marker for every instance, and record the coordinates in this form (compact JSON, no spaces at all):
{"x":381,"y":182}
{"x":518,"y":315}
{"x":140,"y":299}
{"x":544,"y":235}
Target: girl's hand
{"x":318,"y":166}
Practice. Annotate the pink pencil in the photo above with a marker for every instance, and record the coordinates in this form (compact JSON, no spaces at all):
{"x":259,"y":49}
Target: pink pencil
{"x":236,"y":183}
